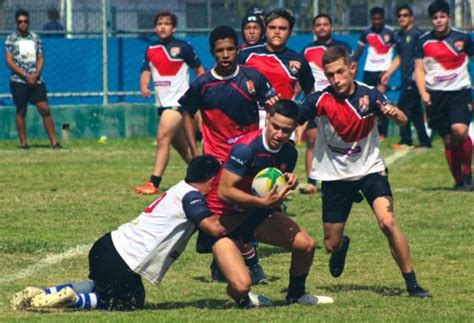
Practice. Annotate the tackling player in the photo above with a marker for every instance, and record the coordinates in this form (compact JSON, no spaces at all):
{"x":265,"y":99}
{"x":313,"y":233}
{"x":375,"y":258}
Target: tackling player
{"x":313,"y":53}
{"x":267,"y":147}
{"x":347,"y":160}
{"x":380,"y":40}
{"x":228,"y":97}
{"x":442,"y":77}
{"x":146,"y":246}
{"x":168,"y":63}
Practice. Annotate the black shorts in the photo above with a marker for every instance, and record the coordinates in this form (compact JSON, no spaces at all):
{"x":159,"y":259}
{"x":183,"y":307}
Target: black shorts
{"x":175,"y":108}
{"x":448,"y":108}
{"x":338,"y":196}
{"x":409,"y":99}
{"x":22,"y":93}
{"x":118,"y":286}
{"x":372,"y":78}
{"x":311,"y":124}
{"x":243,"y":232}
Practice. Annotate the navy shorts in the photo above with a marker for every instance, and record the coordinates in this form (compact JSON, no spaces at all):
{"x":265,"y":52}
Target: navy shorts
{"x":22,"y":94}
{"x":120,"y":288}
{"x":338,"y":196}
{"x":448,"y":108}
{"x":372,"y":78}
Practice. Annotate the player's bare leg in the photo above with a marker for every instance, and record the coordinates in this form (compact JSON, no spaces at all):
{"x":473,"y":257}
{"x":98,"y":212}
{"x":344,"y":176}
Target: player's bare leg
{"x":229,"y":259}
{"x":181,"y":145}
{"x":337,"y":244}
{"x":48,"y":122}
{"x":281,"y":231}
{"x":21,"y":126}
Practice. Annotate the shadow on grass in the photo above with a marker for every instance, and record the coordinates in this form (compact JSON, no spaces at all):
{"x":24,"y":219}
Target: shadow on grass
{"x":201,"y":303}
{"x":207,"y":279}
{"x":439,"y":188}
{"x":381,"y":290}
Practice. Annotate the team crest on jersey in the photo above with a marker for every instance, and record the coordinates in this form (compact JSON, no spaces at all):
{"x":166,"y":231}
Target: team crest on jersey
{"x":459,"y":45}
{"x":364,"y":103}
{"x":408,"y":39}
{"x":251,"y":87}
{"x":295,"y":66}
{"x":174,"y":51}
{"x":386,"y":38}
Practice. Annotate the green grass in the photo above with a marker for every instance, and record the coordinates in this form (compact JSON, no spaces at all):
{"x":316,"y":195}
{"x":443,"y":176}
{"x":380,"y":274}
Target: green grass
{"x":54,"y":200}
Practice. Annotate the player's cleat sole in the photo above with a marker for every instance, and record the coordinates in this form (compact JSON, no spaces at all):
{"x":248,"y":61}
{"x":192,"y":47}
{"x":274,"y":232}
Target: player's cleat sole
{"x":147,"y":189}
{"x":257,"y":274}
{"x":308,"y":299}
{"x":419,"y":292}
{"x":337,"y":260}
{"x":63,"y":298}
{"x":22,"y":299}
{"x":259,"y":301}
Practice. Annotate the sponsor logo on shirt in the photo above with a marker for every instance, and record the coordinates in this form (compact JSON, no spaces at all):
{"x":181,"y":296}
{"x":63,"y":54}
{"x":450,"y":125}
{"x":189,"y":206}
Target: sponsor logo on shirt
{"x":230,"y":141}
{"x":196,"y":201}
{"x":237,"y":160}
{"x":345,"y":151}
{"x":448,"y":77}
{"x":162,"y":83}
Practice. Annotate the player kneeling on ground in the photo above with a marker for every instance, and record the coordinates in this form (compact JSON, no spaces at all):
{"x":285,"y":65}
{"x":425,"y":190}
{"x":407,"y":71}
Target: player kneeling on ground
{"x":347,"y":160}
{"x":146,"y":246}
{"x":260,"y":216}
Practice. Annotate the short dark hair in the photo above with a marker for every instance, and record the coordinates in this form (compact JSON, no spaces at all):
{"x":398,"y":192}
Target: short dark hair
{"x":53,"y":14}
{"x":21,"y":12}
{"x":281,"y":13}
{"x":167,"y":13}
{"x":377,"y":11}
{"x":201,"y":169}
{"x":404,"y":7}
{"x":322,"y":15}
{"x":222,"y":32}
{"x":335,"y":53}
{"x":286,"y":108}
{"x":438,"y":6}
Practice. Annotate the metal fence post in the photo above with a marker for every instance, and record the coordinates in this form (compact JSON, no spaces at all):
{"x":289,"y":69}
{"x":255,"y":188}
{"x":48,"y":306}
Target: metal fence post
{"x":105,"y":78}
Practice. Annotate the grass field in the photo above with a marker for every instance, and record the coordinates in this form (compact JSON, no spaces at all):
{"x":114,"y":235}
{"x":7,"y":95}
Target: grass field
{"x":55,"y":203}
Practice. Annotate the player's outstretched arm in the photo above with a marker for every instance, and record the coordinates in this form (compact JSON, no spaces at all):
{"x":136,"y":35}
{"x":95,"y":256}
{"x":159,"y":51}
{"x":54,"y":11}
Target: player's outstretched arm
{"x":393,"y":113}
{"x":213,"y":227}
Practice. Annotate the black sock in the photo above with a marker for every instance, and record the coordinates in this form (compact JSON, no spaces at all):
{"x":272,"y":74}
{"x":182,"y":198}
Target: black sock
{"x":156,"y":180}
{"x":244,"y":301}
{"x":410,"y":280}
{"x":296,"y":287}
{"x":311,"y":181}
{"x":250,"y":257}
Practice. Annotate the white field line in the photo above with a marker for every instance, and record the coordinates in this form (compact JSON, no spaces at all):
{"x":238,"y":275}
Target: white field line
{"x":49,"y":260}
{"x":82,"y":249}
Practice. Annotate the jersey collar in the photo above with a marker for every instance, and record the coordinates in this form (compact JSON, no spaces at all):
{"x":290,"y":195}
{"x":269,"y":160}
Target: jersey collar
{"x":223,"y":78}
{"x":265,"y":143}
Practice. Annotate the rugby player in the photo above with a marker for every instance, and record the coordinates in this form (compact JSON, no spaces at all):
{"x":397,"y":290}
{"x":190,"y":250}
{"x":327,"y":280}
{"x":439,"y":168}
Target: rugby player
{"x":347,"y":160}
{"x":167,"y":63}
{"x":147,"y":246}
{"x":313,"y":53}
{"x":228,"y":97}
{"x":442,"y":77}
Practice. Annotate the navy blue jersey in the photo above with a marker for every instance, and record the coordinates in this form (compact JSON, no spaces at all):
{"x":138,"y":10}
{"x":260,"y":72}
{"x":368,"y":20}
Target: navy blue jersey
{"x":195,"y":208}
{"x":229,"y":106}
{"x":380,"y":48}
{"x":446,"y":60}
{"x":249,"y":156}
{"x":314,"y":52}
{"x":406,"y":47}
{"x":283,"y":69}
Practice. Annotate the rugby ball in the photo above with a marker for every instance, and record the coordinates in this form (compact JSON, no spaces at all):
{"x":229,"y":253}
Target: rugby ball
{"x":266,"y":179}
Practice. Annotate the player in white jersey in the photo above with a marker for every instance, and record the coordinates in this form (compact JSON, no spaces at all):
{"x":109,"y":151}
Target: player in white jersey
{"x":348,"y":160}
{"x":168,"y":63}
{"x":146,"y":246}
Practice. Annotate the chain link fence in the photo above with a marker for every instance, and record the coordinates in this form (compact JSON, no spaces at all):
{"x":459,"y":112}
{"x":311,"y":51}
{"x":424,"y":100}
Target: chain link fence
{"x":97,"y":57}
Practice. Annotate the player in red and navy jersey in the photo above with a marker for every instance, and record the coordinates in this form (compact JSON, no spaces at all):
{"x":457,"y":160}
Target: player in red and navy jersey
{"x":380,"y":41}
{"x":282,"y":66}
{"x":228,"y":97}
{"x":167,"y":63}
{"x":260,"y":218}
{"x":313,"y":53}
{"x":443,"y":80}
{"x":348,"y":160}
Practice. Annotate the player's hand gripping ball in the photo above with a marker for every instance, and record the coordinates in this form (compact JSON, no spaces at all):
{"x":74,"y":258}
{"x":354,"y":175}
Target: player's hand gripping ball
{"x":266,"y":179}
